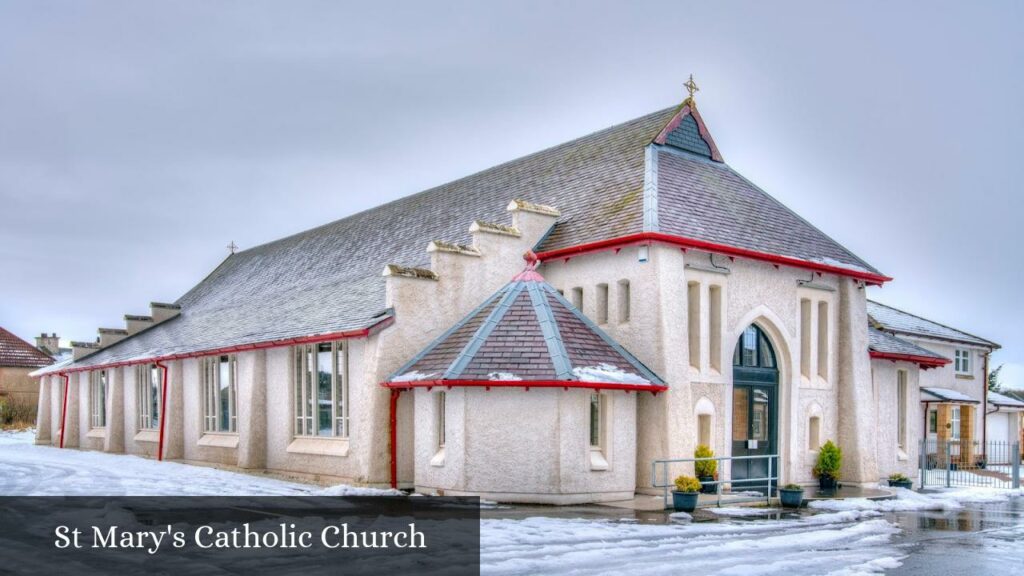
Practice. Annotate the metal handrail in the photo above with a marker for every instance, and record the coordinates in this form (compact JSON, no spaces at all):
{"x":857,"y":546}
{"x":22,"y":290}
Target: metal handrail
{"x":718,"y":483}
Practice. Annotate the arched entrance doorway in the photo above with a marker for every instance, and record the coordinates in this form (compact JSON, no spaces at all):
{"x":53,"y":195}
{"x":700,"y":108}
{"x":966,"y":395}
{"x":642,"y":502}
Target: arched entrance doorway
{"x":755,"y":381}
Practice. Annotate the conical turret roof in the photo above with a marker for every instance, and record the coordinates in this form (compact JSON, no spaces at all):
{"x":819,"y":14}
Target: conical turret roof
{"x":526,"y":334}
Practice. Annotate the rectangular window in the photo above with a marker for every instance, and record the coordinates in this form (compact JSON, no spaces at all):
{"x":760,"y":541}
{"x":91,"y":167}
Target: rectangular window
{"x":602,"y":303}
{"x":442,"y":399}
{"x":805,"y":338}
{"x":321,"y":389}
{"x":954,"y":421}
{"x":624,"y":301}
{"x":577,"y":298}
{"x":98,"y":398}
{"x":220,"y":392}
{"x":933,"y":421}
{"x":148,"y":397}
{"x":962,"y":361}
{"x":823,"y":340}
{"x":693,"y":322}
{"x":715,"y":326}
{"x":596,"y":421}
{"x":901,"y":408}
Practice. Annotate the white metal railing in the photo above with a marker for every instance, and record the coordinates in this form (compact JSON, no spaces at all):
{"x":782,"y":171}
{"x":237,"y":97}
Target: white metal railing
{"x":665,"y":485}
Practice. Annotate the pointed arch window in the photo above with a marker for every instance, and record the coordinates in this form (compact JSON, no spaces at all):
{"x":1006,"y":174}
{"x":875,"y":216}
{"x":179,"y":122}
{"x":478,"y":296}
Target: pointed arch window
{"x":753,"y":350}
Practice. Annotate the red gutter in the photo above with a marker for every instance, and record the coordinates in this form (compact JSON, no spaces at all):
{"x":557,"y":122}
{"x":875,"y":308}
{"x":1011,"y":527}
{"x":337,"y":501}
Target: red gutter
{"x":361,"y":333}
{"x":394,"y":437}
{"x":654,"y":388}
{"x":163,"y":410}
{"x":923,"y":361}
{"x":64,"y":411}
{"x":647,"y":237}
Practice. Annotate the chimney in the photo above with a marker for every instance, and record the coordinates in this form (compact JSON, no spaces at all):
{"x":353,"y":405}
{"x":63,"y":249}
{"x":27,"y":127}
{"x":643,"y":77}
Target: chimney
{"x":161,"y":311}
{"x":109,"y":336}
{"x":48,"y":343}
{"x":82,"y":349}
{"x":135,"y":324}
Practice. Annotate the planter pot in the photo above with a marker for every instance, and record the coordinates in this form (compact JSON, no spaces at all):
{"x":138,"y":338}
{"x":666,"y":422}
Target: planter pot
{"x":706,"y":488}
{"x":908,"y":484}
{"x":791,"y":498}
{"x":684,"y":501}
{"x":826,"y":483}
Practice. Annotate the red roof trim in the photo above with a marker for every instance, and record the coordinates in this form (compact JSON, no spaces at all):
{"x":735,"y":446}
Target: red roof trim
{"x":524,"y":384}
{"x":923,"y":361}
{"x":688,"y":110}
{"x":361,"y":333}
{"x":647,"y":237}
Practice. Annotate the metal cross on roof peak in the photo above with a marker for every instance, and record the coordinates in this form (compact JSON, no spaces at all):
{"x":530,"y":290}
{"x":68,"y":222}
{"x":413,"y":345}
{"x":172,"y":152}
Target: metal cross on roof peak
{"x":232,"y":247}
{"x":691,"y":87}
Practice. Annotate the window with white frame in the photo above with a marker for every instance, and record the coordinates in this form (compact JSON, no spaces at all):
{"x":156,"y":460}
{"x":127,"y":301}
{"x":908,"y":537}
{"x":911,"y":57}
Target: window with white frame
{"x":962,"y":361}
{"x":442,"y":400}
{"x":954,"y":422}
{"x":901,"y":408}
{"x":597,"y":423}
{"x":148,"y":396}
{"x":220,"y":392}
{"x":933,"y":421}
{"x":321,"y":389}
{"x":98,"y":399}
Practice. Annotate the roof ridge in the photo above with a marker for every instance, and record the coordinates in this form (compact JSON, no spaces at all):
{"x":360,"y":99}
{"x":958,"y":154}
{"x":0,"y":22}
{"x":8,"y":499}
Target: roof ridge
{"x":901,"y":311}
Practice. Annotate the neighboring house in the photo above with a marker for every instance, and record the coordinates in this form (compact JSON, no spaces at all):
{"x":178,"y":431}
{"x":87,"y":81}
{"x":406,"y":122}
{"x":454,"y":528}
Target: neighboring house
{"x":17,"y":388}
{"x":674,"y":303}
{"x":947,"y":378}
{"x":1003,"y":422}
{"x":49,"y":344}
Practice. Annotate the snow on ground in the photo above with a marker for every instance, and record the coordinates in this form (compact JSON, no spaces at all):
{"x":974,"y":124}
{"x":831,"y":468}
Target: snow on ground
{"x":30,"y":470}
{"x":742,"y":511}
{"x":910,"y":501}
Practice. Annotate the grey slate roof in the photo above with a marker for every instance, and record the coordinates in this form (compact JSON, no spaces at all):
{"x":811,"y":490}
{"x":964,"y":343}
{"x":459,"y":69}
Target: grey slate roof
{"x":525,"y":332}
{"x":879,"y":341}
{"x":328,"y":279}
{"x":894,"y":320}
{"x":997,"y":399}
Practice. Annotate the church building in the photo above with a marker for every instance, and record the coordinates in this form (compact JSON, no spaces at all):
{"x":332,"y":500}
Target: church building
{"x":665,"y":301}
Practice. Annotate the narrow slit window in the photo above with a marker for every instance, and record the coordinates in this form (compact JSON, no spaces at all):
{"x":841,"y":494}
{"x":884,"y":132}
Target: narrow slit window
{"x":715,"y":326}
{"x":596,"y":421}
{"x":814,"y":433}
{"x":823,"y":340}
{"x":901,"y":409}
{"x":624,"y":301}
{"x":577,"y":298}
{"x":602,"y":303}
{"x":147,"y":392}
{"x":805,"y":338}
{"x":442,"y":400}
{"x":693,"y":322}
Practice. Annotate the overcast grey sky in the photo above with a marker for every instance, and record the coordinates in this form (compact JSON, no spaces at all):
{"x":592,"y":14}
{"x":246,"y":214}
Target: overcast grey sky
{"x":138,"y":138}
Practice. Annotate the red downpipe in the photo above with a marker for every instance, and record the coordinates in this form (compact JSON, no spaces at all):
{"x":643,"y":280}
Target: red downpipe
{"x":683,"y":242}
{"x":163,"y":409}
{"x":394,"y":437}
{"x":64,"y":410}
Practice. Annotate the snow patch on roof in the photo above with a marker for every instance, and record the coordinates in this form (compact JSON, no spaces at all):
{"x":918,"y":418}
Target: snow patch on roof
{"x":415,"y":376}
{"x":947,"y":394}
{"x":503,"y":376}
{"x":608,"y":374}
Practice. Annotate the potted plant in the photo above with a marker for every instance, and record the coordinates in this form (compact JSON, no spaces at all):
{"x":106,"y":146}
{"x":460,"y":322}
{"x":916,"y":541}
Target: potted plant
{"x":791,"y":495}
{"x":705,"y":469}
{"x":830,"y":460}
{"x":900,"y":481}
{"x":684,"y":497}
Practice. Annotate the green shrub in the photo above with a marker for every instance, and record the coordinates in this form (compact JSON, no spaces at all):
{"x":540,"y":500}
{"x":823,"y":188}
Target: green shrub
{"x":687,"y":484}
{"x":792,"y":487}
{"x":706,"y":467}
{"x":830,"y":460}
{"x":897,"y":477}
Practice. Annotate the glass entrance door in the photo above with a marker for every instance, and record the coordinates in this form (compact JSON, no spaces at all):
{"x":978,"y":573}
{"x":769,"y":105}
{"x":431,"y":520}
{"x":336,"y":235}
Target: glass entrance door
{"x":754,"y":426}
